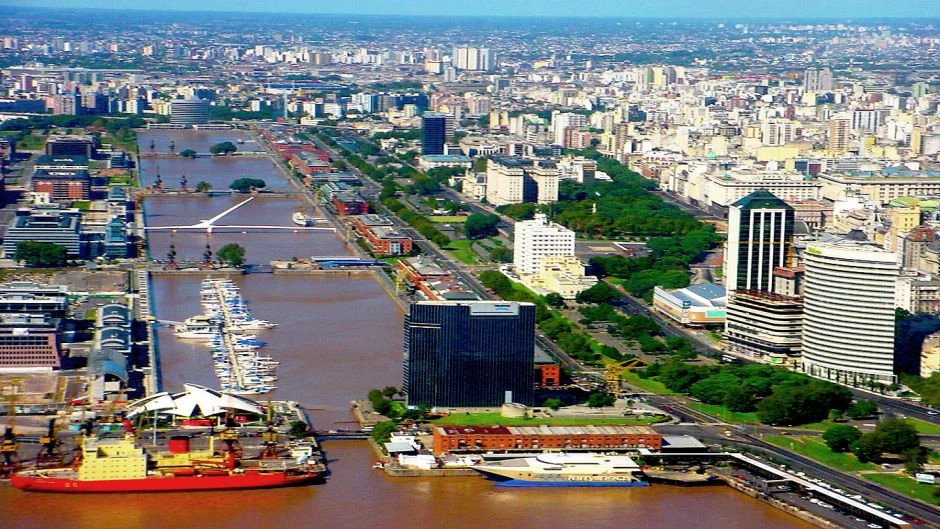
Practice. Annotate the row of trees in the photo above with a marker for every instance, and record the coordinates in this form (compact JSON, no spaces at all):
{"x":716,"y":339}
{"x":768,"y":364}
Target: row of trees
{"x":419,"y":222}
{"x":780,"y":397}
{"x":891,"y":436}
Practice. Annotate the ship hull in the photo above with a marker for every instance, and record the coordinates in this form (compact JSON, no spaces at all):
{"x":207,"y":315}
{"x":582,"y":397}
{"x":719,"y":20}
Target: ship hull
{"x":248,"y":480}
{"x":527,"y":483}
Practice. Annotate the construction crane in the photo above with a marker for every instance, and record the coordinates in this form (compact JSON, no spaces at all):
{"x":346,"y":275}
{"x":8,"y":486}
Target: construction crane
{"x":9,"y":450}
{"x":613,"y":374}
{"x":49,"y":454}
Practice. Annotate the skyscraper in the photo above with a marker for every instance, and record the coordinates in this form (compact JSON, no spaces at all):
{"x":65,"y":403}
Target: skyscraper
{"x":760,"y":321}
{"x":839,"y":132}
{"x":817,"y":80}
{"x":538,"y":238}
{"x":469,"y":353}
{"x":433,"y":132}
{"x":760,"y":233}
{"x":848,"y":321}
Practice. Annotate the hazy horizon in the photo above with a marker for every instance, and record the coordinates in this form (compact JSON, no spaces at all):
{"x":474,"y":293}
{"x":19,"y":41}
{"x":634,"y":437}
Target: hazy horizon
{"x":733,"y":9}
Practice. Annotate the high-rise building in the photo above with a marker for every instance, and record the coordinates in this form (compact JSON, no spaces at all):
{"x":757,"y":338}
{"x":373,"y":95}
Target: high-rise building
{"x":761,"y":321}
{"x":433,"y":132}
{"x":512,"y":180}
{"x":564,"y":121}
{"x":469,"y":353}
{"x":848,"y":320}
{"x":760,"y":233}
{"x":189,"y":112}
{"x":476,"y":59}
{"x":839,"y":133}
{"x":536,"y":239}
{"x":817,"y":80}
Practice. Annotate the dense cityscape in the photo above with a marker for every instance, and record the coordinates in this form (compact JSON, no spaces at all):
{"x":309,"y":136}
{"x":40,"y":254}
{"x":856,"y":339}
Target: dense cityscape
{"x":547,"y":251}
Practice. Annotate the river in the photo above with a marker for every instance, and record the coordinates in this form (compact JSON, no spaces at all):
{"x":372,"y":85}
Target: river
{"x":337,"y":338}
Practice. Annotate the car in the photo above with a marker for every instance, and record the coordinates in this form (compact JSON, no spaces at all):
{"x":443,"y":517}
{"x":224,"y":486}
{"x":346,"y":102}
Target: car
{"x":874,"y":526}
{"x":931,"y":412}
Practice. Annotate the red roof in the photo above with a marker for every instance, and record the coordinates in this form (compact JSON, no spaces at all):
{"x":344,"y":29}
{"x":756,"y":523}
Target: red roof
{"x":475,"y":430}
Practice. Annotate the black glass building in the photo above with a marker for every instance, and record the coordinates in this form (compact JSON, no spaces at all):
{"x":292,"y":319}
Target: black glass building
{"x":760,"y":236}
{"x":469,"y":353}
{"x":433,"y":133}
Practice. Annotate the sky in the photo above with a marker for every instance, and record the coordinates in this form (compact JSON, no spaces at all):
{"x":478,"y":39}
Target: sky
{"x":732,"y":9}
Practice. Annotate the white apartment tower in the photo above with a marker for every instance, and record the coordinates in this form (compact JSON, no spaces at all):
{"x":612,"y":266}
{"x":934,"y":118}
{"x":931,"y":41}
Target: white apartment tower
{"x":538,"y":238}
{"x":848,"y":320}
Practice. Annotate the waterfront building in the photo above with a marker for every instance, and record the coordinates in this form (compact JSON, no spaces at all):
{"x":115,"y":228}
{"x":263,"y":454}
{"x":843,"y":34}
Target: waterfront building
{"x":536,"y":239}
{"x":469,"y":353}
{"x":381,"y":235}
{"x":695,"y":305}
{"x":28,"y":342}
{"x":539,"y":438}
{"x":433,"y":132}
{"x":349,"y":203}
{"x":189,"y":112}
{"x":425,"y":278}
{"x":62,"y":227}
{"x":848,"y":321}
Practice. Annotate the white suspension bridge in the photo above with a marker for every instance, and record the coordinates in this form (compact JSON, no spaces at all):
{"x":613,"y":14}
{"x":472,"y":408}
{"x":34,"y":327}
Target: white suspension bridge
{"x":209,"y":224}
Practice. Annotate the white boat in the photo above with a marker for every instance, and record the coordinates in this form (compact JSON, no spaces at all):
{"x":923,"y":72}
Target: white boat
{"x":202,"y":327}
{"x":565,"y":470}
{"x":302,"y":219}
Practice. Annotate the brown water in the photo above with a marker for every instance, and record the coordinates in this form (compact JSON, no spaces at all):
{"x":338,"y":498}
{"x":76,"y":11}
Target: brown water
{"x":336,"y":339}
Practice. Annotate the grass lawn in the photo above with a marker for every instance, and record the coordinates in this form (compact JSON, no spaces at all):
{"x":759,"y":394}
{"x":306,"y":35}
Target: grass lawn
{"x":821,"y":426}
{"x":31,"y":142}
{"x":450,"y":219}
{"x":489,"y":419}
{"x":461,"y":250}
{"x":924,"y":427}
{"x":819,"y":452}
{"x":646,"y":384}
{"x":722,"y":413}
{"x":906,"y":485}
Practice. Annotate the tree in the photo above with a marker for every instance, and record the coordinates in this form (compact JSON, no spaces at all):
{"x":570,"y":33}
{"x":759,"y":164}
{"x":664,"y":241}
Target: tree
{"x":839,"y":438}
{"x":188,"y":153}
{"x":868,"y":447}
{"x":478,"y":226}
{"x":232,"y":254}
{"x":41,"y":254}
{"x":297,"y":429}
{"x":245,"y":185}
{"x":226,"y":147}
{"x":897,"y":435}
{"x":554,"y":299}
{"x":202,"y":186}
{"x":914,"y":459}
{"x":861,"y":409}
{"x":599,"y":293}
{"x":382,"y":432}
{"x":552,"y":403}
{"x":389,"y":391}
{"x":501,"y":254}
{"x":599,"y":399}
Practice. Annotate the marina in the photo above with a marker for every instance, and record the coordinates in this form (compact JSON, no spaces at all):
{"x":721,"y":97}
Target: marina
{"x":224,"y":326}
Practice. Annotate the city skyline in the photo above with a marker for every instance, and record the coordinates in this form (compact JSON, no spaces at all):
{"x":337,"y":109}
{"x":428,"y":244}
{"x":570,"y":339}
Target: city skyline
{"x":733,"y":9}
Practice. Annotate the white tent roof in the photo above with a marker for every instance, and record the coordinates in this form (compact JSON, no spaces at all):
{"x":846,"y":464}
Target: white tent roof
{"x":194,"y":400}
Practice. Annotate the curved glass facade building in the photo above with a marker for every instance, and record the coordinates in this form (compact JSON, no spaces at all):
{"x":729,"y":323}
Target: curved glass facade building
{"x":189,"y":112}
{"x":848,"y":318}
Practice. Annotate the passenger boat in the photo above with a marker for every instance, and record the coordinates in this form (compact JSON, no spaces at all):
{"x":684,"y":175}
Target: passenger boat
{"x":201,"y":327}
{"x":119,"y":465}
{"x":564,"y":470}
